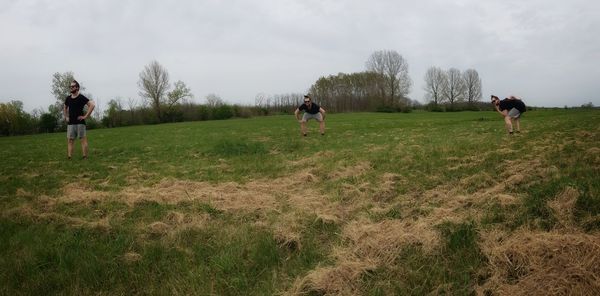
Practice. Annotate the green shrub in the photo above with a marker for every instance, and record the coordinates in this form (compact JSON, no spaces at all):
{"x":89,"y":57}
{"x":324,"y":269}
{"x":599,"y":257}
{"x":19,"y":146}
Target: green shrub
{"x":223,"y":112}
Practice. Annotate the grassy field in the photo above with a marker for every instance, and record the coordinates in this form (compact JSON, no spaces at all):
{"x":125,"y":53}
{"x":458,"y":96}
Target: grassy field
{"x":383,"y":204}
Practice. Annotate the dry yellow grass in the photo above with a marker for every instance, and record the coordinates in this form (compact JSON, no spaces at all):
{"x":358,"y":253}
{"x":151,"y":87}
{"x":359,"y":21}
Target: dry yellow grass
{"x":530,"y":262}
{"x":526,"y":262}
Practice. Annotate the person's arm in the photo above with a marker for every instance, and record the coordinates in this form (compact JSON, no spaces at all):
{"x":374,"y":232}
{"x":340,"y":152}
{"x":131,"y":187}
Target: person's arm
{"x":91,"y":106}
{"x":503,"y":113}
{"x":322,"y":111}
{"x":66,"y":113}
{"x":296,"y":113}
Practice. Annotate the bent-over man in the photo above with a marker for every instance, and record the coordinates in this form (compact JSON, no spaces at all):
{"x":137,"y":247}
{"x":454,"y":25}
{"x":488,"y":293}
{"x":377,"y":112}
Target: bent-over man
{"x":312,"y":111}
{"x":511,"y":109}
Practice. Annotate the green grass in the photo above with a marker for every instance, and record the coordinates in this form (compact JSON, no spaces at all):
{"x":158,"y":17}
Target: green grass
{"x":52,"y":246}
{"x":451,"y":269}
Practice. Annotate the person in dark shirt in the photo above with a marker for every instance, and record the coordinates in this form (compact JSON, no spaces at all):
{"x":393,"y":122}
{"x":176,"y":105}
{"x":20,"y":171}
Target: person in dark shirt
{"x":73,"y":112}
{"x":312,"y":111}
{"x":511,"y":109}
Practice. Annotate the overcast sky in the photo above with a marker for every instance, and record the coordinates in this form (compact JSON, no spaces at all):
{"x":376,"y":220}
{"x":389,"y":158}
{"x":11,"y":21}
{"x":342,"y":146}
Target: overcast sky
{"x":545,"y":51}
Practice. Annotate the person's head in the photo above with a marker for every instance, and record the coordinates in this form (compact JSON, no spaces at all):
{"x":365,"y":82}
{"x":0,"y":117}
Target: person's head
{"x":495,"y":100}
{"x":74,"y":87}
{"x":307,"y":100}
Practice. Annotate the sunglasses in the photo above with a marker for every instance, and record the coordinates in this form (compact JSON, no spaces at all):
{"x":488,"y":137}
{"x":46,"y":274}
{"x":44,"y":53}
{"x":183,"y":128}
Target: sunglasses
{"x":73,"y":86}
{"x":306,"y":101}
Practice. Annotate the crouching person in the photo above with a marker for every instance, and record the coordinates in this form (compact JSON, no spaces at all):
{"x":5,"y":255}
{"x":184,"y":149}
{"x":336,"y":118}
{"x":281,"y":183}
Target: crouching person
{"x":311,"y":111}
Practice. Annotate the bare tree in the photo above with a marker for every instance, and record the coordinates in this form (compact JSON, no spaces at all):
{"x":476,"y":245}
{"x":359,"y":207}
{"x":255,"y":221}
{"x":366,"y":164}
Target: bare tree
{"x":261,"y":100}
{"x":455,"y":90}
{"x":97,"y":113}
{"x":132,"y":104}
{"x":436,"y":83}
{"x":213,"y":100}
{"x":393,"y":69}
{"x":376,"y":64}
{"x":472,"y":84}
{"x":154,"y":84}
{"x":397,"y":75}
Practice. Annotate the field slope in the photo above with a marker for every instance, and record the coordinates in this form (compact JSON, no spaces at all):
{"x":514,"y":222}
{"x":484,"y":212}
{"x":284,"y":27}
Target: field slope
{"x":383,"y":204}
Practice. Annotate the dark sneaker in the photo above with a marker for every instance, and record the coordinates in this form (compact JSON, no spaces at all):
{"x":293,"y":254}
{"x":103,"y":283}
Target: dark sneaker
{"x":84,"y":157}
{"x":304,"y":135}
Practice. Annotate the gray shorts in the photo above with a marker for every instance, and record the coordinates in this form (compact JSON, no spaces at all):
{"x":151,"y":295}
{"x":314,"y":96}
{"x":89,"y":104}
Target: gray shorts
{"x":75,"y":131}
{"x":514,"y":113}
{"x":308,"y":116}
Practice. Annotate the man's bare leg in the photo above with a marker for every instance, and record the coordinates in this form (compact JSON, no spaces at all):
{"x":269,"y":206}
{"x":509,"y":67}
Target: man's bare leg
{"x":70,"y":147}
{"x":84,"y":147}
{"x":518,"y":124}
{"x":508,"y":123}
{"x":303,"y":127}
{"x":322,"y":126}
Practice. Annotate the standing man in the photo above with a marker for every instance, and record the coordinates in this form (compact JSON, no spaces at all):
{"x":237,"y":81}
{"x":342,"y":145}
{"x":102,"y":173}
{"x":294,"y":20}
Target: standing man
{"x":511,"y":109}
{"x":73,"y":112}
{"x":312,"y":111}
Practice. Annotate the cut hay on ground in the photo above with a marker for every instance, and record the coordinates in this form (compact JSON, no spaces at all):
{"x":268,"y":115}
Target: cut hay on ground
{"x":351,"y":171}
{"x":542,"y":263}
{"x":342,"y":279}
{"x":563,"y":206}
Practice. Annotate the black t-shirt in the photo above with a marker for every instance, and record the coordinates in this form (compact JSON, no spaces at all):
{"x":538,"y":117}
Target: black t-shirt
{"x":508,"y":104}
{"x":75,"y":107}
{"x":314,"y":108}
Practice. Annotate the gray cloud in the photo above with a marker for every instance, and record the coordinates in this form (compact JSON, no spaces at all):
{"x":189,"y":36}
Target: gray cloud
{"x":545,"y":51}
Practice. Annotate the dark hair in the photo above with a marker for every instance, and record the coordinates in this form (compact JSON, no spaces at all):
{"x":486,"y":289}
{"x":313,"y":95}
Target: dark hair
{"x":76,"y":83}
{"x":495,"y":98}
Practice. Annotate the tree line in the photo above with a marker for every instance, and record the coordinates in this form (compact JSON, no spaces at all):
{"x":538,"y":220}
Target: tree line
{"x":383,"y":86}
{"x":452,"y":87}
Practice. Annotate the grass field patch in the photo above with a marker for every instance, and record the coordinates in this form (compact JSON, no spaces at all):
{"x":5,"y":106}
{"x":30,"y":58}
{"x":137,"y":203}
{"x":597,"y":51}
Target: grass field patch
{"x":383,"y":204}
